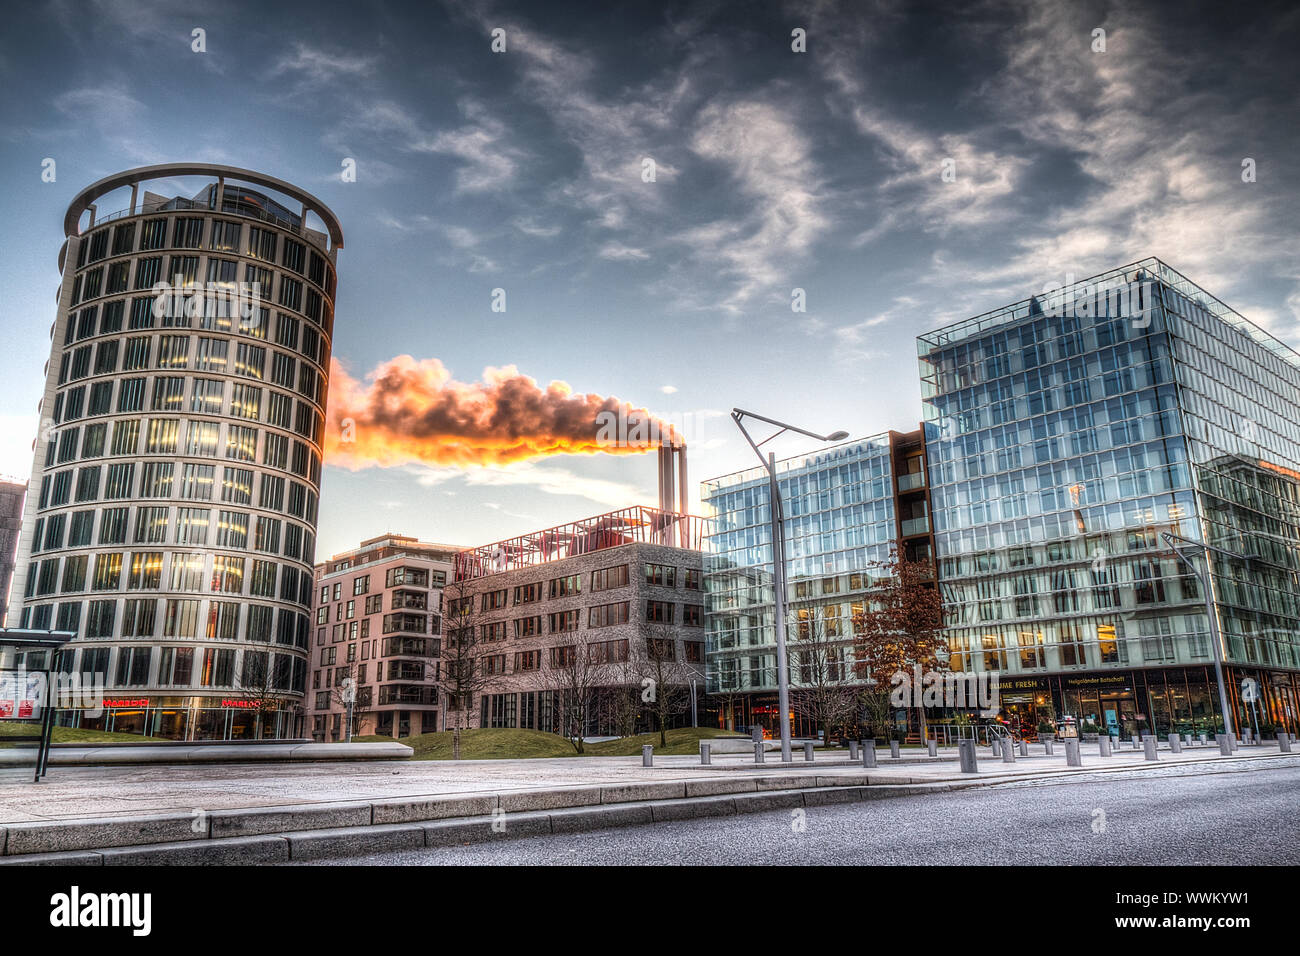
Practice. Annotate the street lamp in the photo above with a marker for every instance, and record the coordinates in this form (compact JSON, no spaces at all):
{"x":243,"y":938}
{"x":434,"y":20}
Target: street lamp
{"x":778,"y":556}
{"x":1208,"y":588}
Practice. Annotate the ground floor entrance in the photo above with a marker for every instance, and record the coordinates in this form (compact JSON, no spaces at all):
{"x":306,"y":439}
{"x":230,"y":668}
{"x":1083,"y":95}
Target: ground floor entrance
{"x":187,"y":718}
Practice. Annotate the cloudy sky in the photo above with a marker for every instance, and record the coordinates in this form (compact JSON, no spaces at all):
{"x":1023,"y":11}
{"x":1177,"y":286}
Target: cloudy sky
{"x":774,"y":170}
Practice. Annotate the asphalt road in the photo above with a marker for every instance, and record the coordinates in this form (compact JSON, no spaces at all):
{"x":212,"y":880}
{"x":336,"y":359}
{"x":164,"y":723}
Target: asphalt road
{"x":1231,"y":814}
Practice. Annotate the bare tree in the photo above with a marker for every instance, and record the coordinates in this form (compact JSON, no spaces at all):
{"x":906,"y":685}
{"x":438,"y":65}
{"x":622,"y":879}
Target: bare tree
{"x":665,"y":678}
{"x":462,"y":675}
{"x":827,"y":690}
{"x":362,"y":701}
{"x":620,"y":702}
{"x":263,"y":685}
{"x":572,"y":676}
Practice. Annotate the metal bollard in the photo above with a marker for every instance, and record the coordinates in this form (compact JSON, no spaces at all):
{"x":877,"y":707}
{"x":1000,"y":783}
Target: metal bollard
{"x":967,"y":757}
{"x":1103,"y":744}
{"x":933,"y":746}
{"x":997,"y":750}
{"x":1149,"y":747}
{"x":1233,"y":742}
{"x":1175,"y":744}
{"x":1246,"y":736}
{"x":869,"y":753}
{"x":853,"y":750}
{"x":893,"y":749}
{"x":758,"y":753}
{"x":647,"y":756}
{"x":1072,"y":756}
{"x":706,"y":752}
{"x":808,"y":751}
{"x":1284,"y":743}
{"x":1225,"y":744}
{"x":1008,"y":752}
{"x":1024,"y":748}
{"x":1205,"y":739}
{"x":1189,"y":739}
{"x":1047,"y":747}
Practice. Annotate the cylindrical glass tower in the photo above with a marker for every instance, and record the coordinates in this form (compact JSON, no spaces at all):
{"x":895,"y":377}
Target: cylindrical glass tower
{"x":170,"y":521}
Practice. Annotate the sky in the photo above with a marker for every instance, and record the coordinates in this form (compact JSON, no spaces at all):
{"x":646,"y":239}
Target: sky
{"x":913,"y":165}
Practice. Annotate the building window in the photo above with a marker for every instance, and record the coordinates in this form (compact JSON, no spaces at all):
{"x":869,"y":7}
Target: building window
{"x":606,"y":578}
{"x":605,"y":615}
{"x":661,"y":575}
{"x":528,"y":593}
{"x":564,"y":621}
{"x":659,"y":612}
{"x":565,"y":586}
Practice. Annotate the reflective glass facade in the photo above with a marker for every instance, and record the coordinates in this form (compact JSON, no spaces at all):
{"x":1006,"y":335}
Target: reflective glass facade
{"x":1064,"y":435}
{"x":840,"y":521}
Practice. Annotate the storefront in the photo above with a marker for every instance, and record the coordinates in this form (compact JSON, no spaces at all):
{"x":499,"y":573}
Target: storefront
{"x":186,"y":718}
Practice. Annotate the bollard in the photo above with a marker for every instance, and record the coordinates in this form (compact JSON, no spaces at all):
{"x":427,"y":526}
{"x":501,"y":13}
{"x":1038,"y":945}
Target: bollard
{"x":808,"y":751}
{"x":1149,"y":747}
{"x":1047,"y":747}
{"x":869,"y":753}
{"x":647,"y":756}
{"x":706,"y":752}
{"x":1008,"y":752}
{"x":1205,"y":739}
{"x":1188,"y":739}
{"x":758,"y":753}
{"x":1072,"y":756}
{"x":1284,"y":743}
{"x":933,"y":746}
{"x":1225,"y":745}
{"x":893,"y":749}
{"x":1246,"y":736}
{"x":1175,"y":744}
{"x":1103,"y":744}
{"x":966,"y":756}
{"x":1024,"y":748}
{"x":1233,"y":743}
{"x":853,"y":750}
{"x":993,"y":742}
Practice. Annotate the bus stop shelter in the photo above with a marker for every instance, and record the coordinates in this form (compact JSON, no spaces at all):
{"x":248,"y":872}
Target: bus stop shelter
{"x":30,"y":665}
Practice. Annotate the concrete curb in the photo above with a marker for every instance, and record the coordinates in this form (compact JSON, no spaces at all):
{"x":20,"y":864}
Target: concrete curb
{"x":284,"y":834}
{"x":65,"y":756}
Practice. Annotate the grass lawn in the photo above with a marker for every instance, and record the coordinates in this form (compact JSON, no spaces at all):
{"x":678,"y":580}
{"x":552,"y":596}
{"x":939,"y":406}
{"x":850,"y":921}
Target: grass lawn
{"x":508,"y":744}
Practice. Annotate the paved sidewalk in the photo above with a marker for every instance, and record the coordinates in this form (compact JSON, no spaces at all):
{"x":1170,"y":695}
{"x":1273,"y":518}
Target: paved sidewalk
{"x":70,"y":793}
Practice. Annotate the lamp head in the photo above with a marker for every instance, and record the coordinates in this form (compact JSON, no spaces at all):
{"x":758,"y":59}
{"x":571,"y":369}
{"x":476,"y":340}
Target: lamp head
{"x":837,"y":436}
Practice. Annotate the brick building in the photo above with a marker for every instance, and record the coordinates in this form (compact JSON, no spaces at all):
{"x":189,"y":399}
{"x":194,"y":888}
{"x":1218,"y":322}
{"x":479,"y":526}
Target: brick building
{"x":609,"y":609}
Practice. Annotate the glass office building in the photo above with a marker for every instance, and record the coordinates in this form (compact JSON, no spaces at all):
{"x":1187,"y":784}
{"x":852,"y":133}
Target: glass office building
{"x":1066,"y":435}
{"x":841,"y":520}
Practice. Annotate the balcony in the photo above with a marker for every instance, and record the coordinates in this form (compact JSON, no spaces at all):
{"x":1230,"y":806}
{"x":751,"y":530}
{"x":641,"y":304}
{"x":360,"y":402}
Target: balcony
{"x":911,"y":482}
{"x":410,"y":647}
{"x":916,"y":526}
{"x":407,"y":694}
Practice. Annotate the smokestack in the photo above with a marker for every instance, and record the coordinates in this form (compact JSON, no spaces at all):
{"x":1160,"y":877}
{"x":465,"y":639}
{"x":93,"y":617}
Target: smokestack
{"x":672,"y":491}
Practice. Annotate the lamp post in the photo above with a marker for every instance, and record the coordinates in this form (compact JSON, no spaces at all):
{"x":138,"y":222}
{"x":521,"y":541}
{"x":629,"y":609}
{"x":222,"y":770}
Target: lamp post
{"x":778,"y":556}
{"x":1207,"y":586}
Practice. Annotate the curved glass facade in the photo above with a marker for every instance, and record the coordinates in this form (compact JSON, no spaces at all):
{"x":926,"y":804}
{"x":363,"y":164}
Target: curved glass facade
{"x":172,"y":516}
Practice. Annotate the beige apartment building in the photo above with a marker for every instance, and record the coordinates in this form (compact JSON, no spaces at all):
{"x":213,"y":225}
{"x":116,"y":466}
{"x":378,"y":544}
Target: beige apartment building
{"x":378,"y":623}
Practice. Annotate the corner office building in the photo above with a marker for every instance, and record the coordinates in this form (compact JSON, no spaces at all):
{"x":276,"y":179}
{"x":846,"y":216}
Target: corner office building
{"x":1063,"y":436}
{"x":172,"y":516}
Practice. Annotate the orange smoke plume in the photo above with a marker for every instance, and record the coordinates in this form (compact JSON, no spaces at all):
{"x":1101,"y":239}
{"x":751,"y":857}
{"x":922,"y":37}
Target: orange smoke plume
{"x":411,"y":410}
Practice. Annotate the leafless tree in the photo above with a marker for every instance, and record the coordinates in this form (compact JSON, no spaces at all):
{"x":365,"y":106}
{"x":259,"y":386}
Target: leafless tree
{"x":665,"y":677}
{"x":572,"y":676}
{"x":264,"y":680}
{"x":826,"y":690}
{"x":362,"y":702}
{"x":461,"y":674}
